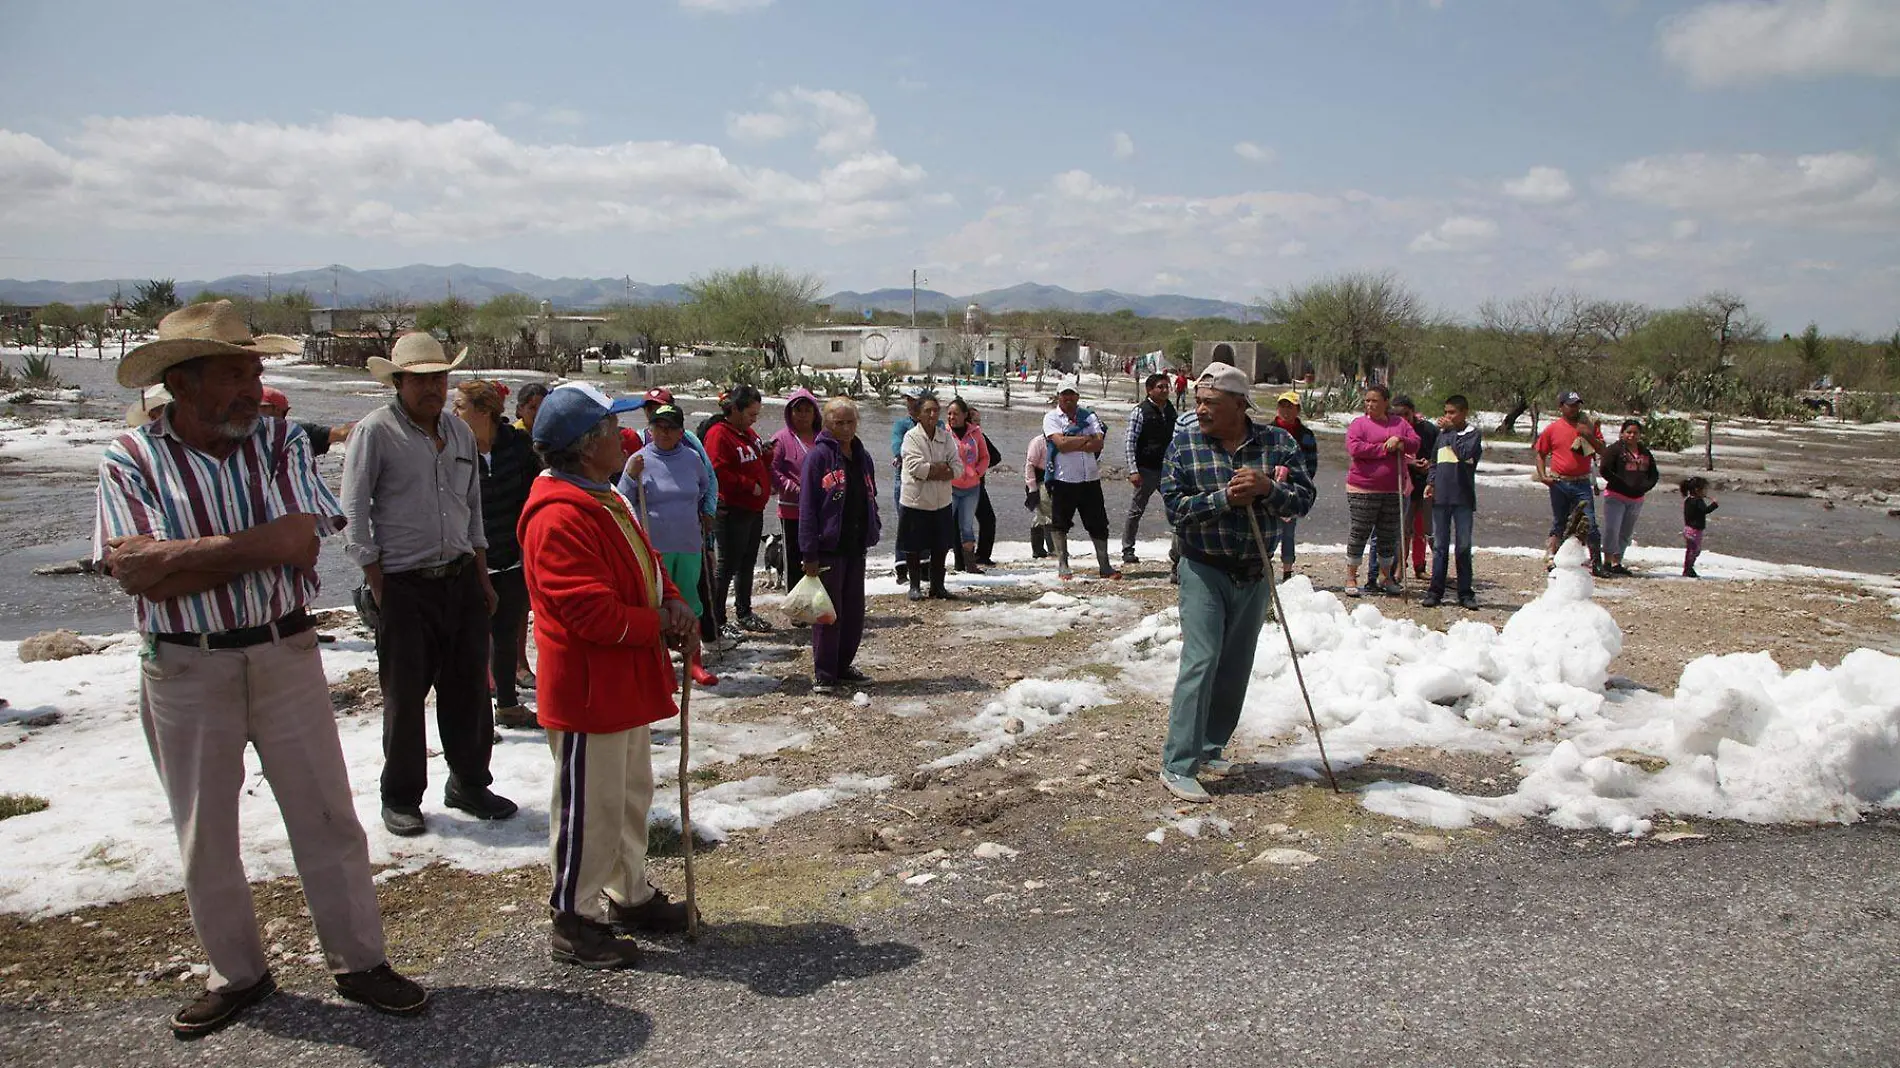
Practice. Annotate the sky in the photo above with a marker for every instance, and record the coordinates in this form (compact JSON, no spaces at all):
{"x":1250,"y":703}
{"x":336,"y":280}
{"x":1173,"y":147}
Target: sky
{"x":1480,"y":149}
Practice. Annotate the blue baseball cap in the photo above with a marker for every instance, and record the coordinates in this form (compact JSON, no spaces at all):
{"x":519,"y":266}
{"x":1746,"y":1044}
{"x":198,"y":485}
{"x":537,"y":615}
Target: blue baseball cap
{"x":570,"y":410}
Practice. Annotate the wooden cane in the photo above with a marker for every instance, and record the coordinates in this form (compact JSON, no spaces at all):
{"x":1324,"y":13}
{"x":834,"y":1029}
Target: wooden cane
{"x":686,"y":808}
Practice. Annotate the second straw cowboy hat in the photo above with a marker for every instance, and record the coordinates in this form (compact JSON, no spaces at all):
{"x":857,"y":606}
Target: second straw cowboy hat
{"x":417,"y":352}
{"x":196,"y":330}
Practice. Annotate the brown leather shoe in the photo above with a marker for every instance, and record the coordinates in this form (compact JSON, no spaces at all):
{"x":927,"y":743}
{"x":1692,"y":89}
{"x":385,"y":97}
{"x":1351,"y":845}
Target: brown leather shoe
{"x":655,"y":915}
{"x":518,"y":717}
{"x":382,"y":989}
{"x":216,"y":1008}
{"x":589,"y":944}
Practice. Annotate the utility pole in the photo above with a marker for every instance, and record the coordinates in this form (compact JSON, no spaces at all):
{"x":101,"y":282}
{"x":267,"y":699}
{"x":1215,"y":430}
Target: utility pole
{"x":269,"y":292}
{"x":913,"y":298}
{"x":629,"y":280}
{"x":333,"y":298}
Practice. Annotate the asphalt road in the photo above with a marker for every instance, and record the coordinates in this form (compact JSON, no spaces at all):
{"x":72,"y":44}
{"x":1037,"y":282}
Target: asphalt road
{"x":1757,"y":947}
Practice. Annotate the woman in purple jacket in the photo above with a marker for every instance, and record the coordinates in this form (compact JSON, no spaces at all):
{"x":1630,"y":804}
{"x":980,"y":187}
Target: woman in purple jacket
{"x":837,"y":524}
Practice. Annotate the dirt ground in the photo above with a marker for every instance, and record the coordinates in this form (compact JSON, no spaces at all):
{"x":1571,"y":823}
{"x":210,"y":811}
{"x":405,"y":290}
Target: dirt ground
{"x":1073,"y":802}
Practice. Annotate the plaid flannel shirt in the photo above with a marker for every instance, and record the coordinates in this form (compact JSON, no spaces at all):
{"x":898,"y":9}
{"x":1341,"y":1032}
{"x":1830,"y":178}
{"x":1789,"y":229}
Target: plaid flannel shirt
{"x":1194,"y":488}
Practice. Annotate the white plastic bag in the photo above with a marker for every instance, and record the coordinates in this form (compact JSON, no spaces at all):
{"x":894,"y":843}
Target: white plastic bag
{"x":809,"y":603}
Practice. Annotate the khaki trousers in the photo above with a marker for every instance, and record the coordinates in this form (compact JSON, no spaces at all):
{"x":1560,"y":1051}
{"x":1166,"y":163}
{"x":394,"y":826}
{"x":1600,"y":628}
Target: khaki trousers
{"x":597,"y":830}
{"x":200,"y":709}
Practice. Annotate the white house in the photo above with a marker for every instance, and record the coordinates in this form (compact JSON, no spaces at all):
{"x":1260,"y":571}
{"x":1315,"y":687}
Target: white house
{"x":903,"y":349}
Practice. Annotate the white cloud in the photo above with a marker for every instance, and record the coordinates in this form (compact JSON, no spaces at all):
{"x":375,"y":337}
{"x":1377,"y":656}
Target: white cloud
{"x":407,"y":180}
{"x":843,"y":122}
{"x":1289,"y":249}
{"x":1684,"y":229}
{"x":1247,"y":150}
{"x":1458,"y":233}
{"x":1736,"y":41}
{"x":1124,"y":145}
{"x":1845,"y":190}
{"x":1594,"y":260}
{"x":1540,"y":185}
{"x":723,"y":7}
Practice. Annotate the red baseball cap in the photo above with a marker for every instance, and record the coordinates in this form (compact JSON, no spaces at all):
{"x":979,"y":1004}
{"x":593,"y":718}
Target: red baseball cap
{"x":657,"y":395}
{"x":274,"y":396}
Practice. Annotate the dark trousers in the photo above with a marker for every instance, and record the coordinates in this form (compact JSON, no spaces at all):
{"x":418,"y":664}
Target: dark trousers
{"x":434,"y":636}
{"x":835,"y":645}
{"x":511,"y":610}
{"x":739,"y":532}
{"x":1068,"y":498}
{"x":1451,"y":533}
{"x":708,"y":622}
{"x":1150,"y":482}
{"x":794,"y":557}
{"x":985,"y":527}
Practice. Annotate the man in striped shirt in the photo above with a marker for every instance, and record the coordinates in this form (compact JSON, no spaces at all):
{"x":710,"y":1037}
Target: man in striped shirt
{"x":210,"y":516}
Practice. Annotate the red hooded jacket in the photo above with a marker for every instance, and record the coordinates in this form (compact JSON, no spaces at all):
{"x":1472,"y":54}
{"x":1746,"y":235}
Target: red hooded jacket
{"x":603,"y":665}
{"x":738,"y":459}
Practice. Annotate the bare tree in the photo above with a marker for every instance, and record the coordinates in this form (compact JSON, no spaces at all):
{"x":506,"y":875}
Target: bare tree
{"x":1528,"y":343}
{"x":1729,"y":323}
{"x":389,"y":318}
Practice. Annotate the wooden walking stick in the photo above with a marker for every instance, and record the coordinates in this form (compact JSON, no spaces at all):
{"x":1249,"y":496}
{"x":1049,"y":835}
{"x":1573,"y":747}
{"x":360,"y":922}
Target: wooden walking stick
{"x":686,"y":807}
{"x":1279,"y":613}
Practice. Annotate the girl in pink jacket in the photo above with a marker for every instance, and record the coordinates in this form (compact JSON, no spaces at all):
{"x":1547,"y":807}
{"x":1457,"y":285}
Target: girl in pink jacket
{"x":966,"y":488}
{"x":789,"y":447}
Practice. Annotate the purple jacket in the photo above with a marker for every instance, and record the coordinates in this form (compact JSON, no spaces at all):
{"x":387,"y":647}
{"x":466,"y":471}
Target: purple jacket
{"x":788,"y":454}
{"x":821,"y":495}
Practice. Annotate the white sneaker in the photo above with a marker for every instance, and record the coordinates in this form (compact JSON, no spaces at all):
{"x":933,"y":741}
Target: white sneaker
{"x":1219,"y":766}
{"x":1185,"y":787}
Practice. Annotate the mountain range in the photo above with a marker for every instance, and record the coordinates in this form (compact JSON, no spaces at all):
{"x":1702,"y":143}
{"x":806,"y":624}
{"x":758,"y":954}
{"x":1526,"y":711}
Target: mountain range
{"x":346,"y":287}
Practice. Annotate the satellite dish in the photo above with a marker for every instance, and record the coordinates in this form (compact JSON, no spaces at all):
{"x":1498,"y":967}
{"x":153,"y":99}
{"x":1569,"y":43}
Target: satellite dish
{"x":875,"y":347}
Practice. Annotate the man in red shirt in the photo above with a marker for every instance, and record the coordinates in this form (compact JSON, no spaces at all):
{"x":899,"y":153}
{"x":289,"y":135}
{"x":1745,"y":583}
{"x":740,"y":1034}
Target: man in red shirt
{"x":1564,"y":453}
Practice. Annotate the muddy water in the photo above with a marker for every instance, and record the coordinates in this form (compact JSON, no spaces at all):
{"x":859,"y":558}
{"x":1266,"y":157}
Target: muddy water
{"x":46,"y":514}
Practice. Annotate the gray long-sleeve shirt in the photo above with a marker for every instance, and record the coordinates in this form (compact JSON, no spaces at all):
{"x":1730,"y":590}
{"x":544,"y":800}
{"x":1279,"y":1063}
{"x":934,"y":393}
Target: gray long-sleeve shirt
{"x":410,"y":506}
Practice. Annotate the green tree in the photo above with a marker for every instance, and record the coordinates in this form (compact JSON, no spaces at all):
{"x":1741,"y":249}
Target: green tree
{"x":95,"y":320}
{"x":649,"y":327}
{"x":452,"y":317}
{"x":1359,"y":322}
{"x":62,"y":322}
{"x":1528,"y":345}
{"x":1814,"y":354}
{"x":755,"y":305}
{"x":155,"y":297}
{"x":504,"y":324}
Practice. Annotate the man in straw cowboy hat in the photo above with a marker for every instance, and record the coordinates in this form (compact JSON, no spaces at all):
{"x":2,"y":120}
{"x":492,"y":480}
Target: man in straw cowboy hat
{"x":1219,"y":468}
{"x":210,"y":517}
{"x":412,"y":492}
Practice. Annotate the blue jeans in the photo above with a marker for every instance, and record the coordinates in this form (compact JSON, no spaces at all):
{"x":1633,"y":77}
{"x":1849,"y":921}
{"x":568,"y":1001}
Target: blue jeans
{"x":1220,"y":628}
{"x":963,"y":503}
{"x":1566,"y":495}
{"x":1451,"y":524}
{"x":1286,"y":542}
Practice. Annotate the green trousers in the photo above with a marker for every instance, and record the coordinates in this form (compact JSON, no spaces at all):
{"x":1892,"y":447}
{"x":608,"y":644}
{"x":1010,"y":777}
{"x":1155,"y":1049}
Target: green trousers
{"x":684,"y":569}
{"x":1220,"y":628}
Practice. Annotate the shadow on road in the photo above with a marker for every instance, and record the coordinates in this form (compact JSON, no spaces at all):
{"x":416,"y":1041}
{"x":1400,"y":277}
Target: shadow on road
{"x":1268,"y":777}
{"x":469,"y":1027}
{"x":791,"y":961}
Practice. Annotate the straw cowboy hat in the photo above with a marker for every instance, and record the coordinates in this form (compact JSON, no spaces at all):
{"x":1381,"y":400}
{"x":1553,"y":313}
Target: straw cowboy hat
{"x":198,"y":330}
{"x":417,"y":352}
{"x":140,"y":412}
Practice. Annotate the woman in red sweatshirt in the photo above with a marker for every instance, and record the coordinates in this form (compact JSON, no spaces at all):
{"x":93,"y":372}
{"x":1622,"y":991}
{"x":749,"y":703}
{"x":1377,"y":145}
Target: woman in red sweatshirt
{"x":745,"y":488}
{"x":604,"y":613}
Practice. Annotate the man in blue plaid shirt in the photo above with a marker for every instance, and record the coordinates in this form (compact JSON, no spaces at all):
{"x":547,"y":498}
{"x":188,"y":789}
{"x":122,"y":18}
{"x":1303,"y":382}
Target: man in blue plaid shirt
{"x":1216,"y":470}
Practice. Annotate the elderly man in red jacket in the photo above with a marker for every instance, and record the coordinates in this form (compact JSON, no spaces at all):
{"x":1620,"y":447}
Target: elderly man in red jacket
{"x":604,"y":614}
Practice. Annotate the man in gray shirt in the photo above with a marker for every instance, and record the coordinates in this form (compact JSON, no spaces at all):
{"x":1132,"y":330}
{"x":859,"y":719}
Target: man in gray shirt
{"x":412,"y":496}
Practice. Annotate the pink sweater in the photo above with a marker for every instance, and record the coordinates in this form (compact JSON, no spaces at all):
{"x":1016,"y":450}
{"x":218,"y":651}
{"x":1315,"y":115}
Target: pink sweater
{"x":1372,"y":467}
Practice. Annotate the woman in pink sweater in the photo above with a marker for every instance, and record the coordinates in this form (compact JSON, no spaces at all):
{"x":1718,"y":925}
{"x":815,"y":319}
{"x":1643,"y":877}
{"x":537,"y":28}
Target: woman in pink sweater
{"x":1379,"y":444}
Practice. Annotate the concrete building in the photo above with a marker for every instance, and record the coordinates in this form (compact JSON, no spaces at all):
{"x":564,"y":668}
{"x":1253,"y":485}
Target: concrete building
{"x":1253,"y":357}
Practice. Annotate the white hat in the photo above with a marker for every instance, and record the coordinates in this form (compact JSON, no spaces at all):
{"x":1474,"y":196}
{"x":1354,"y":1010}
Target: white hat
{"x":140,"y":411}
{"x":1228,"y":379}
{"x":1069,"y":384}
{"x":196,"y":330}
{"x":417,"y":352}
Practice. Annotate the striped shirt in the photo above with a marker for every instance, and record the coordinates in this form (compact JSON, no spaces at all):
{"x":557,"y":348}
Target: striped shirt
{"x":152,"y":483}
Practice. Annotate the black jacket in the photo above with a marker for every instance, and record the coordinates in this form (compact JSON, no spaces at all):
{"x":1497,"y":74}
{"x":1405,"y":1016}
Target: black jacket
{"x":1156,"y":434}
{"x":507,"y":472}
{"x":1629,"y":472}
